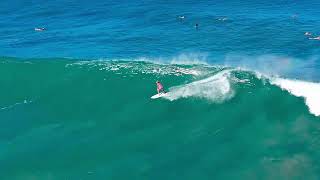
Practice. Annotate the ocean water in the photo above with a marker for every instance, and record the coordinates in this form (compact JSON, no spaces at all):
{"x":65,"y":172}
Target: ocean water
{"x":243,"y":88}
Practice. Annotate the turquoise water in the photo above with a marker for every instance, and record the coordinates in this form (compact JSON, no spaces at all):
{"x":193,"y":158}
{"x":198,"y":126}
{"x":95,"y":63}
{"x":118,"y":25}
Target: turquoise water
{"x":243,"y":92}
{"x":71,"y":119}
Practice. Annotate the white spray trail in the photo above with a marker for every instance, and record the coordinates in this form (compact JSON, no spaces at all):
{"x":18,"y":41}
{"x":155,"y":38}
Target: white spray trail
{"x":216,"y":88}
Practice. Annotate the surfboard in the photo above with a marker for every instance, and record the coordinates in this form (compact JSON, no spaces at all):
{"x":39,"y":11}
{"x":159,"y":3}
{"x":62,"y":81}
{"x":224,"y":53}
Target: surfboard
{"x":158,"y":95}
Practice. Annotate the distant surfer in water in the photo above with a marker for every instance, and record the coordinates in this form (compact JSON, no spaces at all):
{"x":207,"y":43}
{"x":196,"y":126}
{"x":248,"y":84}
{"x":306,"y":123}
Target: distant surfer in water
{"x":40,"y":29}
{"x":316,"y":38}
{"x":181,"y":17}
{"x":307,"y":34}
{"x":160,"y":87}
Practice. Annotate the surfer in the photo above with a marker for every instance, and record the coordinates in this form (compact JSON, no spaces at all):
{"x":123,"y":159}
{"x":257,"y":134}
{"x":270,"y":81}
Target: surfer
{"x":181,"y":17}
{"x":307,"y":34}
{"x":223,"y":19}
{"x":40,"y":29}
{"x":160,"y":87}
{"x":316,"y":38}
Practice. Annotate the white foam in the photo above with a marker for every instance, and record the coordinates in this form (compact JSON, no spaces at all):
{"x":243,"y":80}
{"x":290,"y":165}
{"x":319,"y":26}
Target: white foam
{"x":216,"y":88}
{"x":135,"y":68}
{"x":188,"y":71}
{"x":16,"y":104}
{"x":309,"y":90}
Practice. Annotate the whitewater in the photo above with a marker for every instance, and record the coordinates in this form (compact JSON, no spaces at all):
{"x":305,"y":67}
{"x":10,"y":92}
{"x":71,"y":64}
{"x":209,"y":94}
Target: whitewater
{"x":217,"y":87}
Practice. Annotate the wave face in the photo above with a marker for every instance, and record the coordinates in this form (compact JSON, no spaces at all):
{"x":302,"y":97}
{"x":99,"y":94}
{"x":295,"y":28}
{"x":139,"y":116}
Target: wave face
{"x":70,"y":119}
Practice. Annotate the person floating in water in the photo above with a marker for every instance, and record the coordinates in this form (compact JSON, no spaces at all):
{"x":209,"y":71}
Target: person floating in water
{"x":196,"y":25}
{"x":40,"y":29}
{"x":181,"y":17}
{"x":307,"y":34}
{"x":316,"y":38}
{"x":223,"y":19}
{"x":160,"y":87}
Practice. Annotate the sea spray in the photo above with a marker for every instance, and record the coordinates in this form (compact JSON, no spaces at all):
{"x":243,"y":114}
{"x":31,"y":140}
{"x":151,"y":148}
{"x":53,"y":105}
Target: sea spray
{"x":216,"y":88}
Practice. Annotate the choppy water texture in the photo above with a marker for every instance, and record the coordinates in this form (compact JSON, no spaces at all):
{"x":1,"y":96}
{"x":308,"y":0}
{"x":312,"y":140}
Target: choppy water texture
{"x":243,"y":100}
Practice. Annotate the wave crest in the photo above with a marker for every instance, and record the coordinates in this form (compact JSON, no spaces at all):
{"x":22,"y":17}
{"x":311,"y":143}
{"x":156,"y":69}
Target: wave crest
{"x":308,"y":90}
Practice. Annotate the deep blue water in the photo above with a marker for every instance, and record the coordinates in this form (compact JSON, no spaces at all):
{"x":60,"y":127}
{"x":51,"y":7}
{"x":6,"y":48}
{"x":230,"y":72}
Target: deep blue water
{"x":131,"y":29}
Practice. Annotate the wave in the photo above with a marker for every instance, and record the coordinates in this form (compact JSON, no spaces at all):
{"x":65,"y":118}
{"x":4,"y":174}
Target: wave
{"x":213,"y":83}
{"x":217,"y":87}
